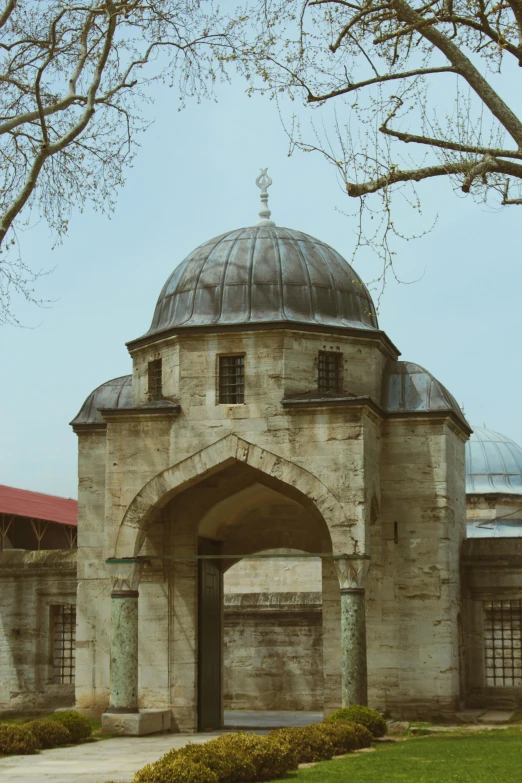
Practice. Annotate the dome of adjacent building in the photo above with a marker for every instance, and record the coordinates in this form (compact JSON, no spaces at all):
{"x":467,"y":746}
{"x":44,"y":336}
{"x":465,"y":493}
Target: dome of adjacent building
{"x":264,"y":274}
{"x":493,"y":464}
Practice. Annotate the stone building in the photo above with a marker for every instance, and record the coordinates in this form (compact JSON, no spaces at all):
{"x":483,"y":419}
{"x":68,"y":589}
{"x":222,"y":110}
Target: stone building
{"x":492,"y":572}
{"x":269,"y":440}
{"x":267,"y":410}
{"x":37,"y":598}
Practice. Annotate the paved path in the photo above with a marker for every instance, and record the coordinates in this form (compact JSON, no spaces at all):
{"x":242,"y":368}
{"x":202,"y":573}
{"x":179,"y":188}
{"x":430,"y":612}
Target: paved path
{"x":96,"y":762}
{"x":119,"y":758}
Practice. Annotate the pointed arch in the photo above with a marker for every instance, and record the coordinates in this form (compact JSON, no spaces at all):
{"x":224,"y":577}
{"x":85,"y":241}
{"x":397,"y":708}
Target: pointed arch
{"x":211,"y":459}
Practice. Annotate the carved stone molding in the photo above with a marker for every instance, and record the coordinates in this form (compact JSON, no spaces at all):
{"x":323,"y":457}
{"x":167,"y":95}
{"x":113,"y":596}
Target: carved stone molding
{"x":125,"y":574}
{"x":352,"y":572}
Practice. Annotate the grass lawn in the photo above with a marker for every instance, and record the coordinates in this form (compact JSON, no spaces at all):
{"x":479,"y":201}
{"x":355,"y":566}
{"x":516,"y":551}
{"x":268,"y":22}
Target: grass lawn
{"x":478,"y":757}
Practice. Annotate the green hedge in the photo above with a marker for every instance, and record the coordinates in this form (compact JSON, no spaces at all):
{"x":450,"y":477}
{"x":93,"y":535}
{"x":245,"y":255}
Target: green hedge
{"x":16,"y":740}
{"x":247,"y":758}
{"x":371,"y":719}
{"x":310,"y":743}
{"x":176,"y":770}
{"x":78,"y":726}
{"x":48,"y":733}
{"x":231,"y":758}
{"x":346,"y":736}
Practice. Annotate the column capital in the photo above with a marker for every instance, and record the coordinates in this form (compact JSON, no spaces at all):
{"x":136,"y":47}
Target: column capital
{"x":125,"y":574}
{"x":351,"y":572}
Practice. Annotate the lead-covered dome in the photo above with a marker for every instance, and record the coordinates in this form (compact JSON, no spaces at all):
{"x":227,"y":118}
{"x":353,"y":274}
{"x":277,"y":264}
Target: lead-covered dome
{"x":263,"y":274}
{"x":493,"y":464}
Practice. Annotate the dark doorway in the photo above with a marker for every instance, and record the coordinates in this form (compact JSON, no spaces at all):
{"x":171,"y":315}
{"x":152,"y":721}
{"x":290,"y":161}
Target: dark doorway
{"x":209,"y":637}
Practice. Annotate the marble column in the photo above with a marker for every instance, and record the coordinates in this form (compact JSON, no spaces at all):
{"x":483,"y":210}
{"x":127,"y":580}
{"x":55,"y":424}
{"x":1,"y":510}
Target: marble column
{"x":124,"y":651}
{"x":354,"y":679}
{"x":124,"y":635}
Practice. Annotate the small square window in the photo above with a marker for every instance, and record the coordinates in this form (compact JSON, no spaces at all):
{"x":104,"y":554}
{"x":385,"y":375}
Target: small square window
{"x":63,"y":639}
{"x":231,"y":380}
{"x":155,"y":380}
{"x":329,"y":372}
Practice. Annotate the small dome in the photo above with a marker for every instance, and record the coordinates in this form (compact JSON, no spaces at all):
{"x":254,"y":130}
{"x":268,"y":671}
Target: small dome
{"x":493,"y":464}
{"x":408,"y":387}
{"x":112,"y":394}
{"x":264,"y":274}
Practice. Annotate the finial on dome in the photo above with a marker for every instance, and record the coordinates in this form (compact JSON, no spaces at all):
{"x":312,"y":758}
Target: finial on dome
{"x":263,"y":182}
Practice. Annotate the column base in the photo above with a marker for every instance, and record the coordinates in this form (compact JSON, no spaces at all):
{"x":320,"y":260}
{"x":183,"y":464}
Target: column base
{"x":135,"y":724}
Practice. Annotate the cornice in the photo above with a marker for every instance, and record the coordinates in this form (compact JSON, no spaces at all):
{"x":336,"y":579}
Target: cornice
{"x":165,"y":410}
{"x":296,"y":403}
{"x":377,"y":336}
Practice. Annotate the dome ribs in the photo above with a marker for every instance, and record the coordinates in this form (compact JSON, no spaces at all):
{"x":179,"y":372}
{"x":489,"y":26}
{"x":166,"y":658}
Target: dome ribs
{"x":263,"y":275}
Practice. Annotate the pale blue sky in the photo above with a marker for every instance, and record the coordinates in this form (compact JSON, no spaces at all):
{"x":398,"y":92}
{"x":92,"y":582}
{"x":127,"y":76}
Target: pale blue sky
{"x":193,"y":179}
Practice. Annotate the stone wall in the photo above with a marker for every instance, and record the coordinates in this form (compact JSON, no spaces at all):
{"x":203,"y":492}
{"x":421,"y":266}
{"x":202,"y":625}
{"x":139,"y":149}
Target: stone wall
{"x":32,"y":584}
{"x":413,"y":586}
{"x":273,"y":657}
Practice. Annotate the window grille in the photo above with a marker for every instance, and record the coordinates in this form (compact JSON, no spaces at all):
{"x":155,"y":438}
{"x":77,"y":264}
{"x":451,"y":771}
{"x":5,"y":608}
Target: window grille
{"x":63,"y":643}
{"x":329,"y":375}
{"x":155,"y":380}
{"x":232,"y":380}
{"x":502,"y":643}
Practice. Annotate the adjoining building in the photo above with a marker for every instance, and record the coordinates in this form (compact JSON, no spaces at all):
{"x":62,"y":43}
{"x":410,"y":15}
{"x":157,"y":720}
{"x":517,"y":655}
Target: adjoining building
{"x":272,"y":509}
{"x":38,"y":600}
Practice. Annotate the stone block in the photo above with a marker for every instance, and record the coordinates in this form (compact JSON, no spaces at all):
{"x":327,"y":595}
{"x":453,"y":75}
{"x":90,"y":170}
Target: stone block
{"x":135,"y":724}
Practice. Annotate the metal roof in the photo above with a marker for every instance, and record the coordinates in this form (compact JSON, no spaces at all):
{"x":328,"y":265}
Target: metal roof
{"x":36,"y":505}
{"x":408,"y":387}
{"x":263,"y":274}
{"x":112,"y":394}
{"x":493,"y":464}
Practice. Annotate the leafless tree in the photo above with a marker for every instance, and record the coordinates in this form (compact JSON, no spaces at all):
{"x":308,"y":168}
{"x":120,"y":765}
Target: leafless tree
{"x":419,"y":90}
{"x":73,"y":78}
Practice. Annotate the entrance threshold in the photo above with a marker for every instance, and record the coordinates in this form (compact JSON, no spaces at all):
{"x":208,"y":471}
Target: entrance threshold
{"x":269,"y":719}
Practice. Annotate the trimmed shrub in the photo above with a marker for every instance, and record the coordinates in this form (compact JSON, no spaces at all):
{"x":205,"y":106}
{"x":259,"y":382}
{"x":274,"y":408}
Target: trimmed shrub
{"x":17,"y":740}
{"x":229,"y":765}
{"x":346,"y":737}
{"x":271,"y":757}
{"x":176,"y":770}
{"x":78,"y":726}
{"x":310,"y":743}
{"x":363,"y":734}
{"x":231,"y":758}
{"x":240,"y":757}
{"x":48,"y":733}
{"x":371,"y":719}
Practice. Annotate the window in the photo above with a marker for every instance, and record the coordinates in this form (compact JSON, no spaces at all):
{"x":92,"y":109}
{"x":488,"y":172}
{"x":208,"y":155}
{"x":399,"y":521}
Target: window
{"x":329,"y":371}
{"x":155,"y":380}
{"x":231,"y":380}
{"x":63,"y":638}
{"x":502,"y":626}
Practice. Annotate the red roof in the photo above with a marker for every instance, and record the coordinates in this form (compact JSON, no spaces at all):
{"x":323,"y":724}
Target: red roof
{"x":36,"y":505}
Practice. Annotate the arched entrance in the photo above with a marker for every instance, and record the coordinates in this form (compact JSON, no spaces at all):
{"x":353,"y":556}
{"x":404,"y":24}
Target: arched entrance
{"x":198,"y":518}
{"x":231,"y":515}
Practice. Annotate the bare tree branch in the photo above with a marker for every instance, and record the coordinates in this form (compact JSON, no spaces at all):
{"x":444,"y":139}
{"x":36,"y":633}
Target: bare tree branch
{"x":388,"y":77}
{"x":73,"y":75}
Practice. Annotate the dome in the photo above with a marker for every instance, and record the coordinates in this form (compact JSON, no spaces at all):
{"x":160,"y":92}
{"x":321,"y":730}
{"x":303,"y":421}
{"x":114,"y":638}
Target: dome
{"x":116,"y":393}
{"x":263,"y":274}
{"x":408,"y":387}
{"x":493,"y":463}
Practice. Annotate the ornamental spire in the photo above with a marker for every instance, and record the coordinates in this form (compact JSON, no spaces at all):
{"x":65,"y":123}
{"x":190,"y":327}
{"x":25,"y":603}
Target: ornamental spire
{"x":263,"y":182}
